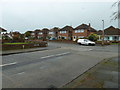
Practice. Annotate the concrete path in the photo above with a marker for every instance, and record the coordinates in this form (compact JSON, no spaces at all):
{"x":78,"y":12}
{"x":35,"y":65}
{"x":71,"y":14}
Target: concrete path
{"x":104,"y":75}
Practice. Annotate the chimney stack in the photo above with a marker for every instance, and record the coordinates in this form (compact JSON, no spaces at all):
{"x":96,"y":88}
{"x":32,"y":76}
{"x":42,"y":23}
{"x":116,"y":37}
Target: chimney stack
{"x":89,"y":26}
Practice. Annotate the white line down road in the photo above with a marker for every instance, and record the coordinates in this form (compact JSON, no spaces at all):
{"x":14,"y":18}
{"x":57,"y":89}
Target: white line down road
{"x":55,"y":55}
{"x":8,"y":64}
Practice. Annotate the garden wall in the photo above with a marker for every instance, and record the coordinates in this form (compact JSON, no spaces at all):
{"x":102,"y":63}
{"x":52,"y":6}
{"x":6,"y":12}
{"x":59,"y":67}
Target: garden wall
{"x":23,"y":46}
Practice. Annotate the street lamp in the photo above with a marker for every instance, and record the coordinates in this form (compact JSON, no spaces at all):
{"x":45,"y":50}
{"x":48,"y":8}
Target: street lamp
{"x":103,"y":33}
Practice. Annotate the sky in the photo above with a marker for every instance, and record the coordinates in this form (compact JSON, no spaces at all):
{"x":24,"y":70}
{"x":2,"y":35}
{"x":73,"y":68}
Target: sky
{"x":24,"y":15}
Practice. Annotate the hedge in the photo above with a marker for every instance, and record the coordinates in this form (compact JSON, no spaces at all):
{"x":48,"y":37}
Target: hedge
{"x":23,"y":46}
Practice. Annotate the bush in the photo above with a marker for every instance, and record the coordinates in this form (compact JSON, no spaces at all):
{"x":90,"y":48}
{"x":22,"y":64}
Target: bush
{"x":21,"y":46}
{"x":105,"y":42}
{"x":93,"y":37}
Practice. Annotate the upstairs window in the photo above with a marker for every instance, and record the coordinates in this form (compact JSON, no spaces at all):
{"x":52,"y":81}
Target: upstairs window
{"x":50,"y":32}
{"x":32,"y":33}
{"x":40,"y":33}
{"x":79,"y":30}
{"x":62,"y":31}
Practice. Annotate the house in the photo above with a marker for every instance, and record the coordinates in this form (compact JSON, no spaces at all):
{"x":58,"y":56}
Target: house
{"x":110,"y":34}
{"x":65,"y":33}
{"x":82,"y":31}
{"x":2,"y":31}
{"x":38,"y":34}
{"x":45,"y":32}
{"x":33,"y":34}
{"x":53,"y":33}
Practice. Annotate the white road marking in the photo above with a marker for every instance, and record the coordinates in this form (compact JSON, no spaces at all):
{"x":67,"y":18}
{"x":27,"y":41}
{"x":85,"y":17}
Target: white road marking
{"x":55,"y":55}
{"x":62,"y":54}
{"x":47,"y":56}
{"x":20,"y":73}
{"x":90,"y":49}
{"x":8,"y":64}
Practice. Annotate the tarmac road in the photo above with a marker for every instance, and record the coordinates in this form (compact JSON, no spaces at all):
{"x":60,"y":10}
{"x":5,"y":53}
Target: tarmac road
{"x":56,"y":67}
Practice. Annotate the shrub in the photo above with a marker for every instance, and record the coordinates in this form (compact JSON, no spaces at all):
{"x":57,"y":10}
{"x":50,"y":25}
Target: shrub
{"x":20,"y":46}
{"x":93,"y":37}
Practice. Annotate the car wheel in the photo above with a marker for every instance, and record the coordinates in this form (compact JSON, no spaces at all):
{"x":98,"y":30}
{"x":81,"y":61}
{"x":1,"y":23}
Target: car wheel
{"x":89,"y":44}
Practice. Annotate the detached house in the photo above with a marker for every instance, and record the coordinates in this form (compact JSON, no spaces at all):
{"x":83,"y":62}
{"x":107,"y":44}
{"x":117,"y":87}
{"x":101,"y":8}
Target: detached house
{"x":33,"y":35}
{"x":53,"y":33}
{"x":45,"y":32}
{"x":39,"y":34}
{"x":82,"y":31}
{"x":2,"y":31}
{"x":65,"y":33}
{"x":110,"y":34}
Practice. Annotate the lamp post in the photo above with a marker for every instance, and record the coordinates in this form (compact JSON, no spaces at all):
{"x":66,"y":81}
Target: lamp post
{"x":103,"y":34}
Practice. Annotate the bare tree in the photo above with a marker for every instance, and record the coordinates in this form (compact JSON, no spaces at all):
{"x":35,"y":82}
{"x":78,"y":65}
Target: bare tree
{"x":116,"y":14}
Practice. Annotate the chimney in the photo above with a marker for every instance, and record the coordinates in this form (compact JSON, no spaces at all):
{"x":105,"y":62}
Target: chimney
{"x":89,"y":26}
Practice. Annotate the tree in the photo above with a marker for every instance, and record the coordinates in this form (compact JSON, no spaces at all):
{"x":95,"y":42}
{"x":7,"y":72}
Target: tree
{"x":93,"y":37}
{"x":116,"y":14}
{"x":28,"y":34}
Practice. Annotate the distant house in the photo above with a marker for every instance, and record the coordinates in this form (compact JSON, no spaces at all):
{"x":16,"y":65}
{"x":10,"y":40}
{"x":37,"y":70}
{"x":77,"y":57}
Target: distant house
{"x":110,"y":34}
{"x":65,"y":33}
{"x":82,"y":31}
{"x":45,"y":34}
{"x":53,"y":33}
{"x":33,"y":34}
{"x":38,"y":34}
{"x":2,"y":31}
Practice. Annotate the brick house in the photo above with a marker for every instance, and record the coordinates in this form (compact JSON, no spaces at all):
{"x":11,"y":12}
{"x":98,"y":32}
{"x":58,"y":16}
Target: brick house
{"x":2,"y":32}
{"x":33,"y":34}
{"x":53,"y":33}
{"x":65,"y":33}
{"x":45,"y":32}
{"x":82,"y":31}
{"x":38,"y":34}
{"x":110,"y":34}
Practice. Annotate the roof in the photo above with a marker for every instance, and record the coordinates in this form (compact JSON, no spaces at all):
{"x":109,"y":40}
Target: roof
{"x":110,"y":31}
{"x":55,"y":29}
{"x":2,"y":30}
{"x":85,"y":26}
{"x":37,"y":30}
{"x":66,"y":28}
{"x":99,"y":32}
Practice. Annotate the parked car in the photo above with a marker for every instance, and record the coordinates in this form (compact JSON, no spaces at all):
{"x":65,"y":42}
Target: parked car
{"x":52,"y":39}
{"x":85,"y":42}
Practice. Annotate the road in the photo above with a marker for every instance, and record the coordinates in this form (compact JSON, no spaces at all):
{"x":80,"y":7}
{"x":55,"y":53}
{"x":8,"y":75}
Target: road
{"x":55,"y":67}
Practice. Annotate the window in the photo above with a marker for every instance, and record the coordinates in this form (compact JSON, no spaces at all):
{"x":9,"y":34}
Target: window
{"x":50,"y":32}
{"x":32,"y":33}
{"x":79,"y":30}
{"x":81,"y":37}
{"x":40,"y":33}
{"x":62,"y":31}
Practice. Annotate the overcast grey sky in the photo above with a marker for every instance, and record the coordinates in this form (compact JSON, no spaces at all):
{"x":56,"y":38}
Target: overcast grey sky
{"x":30,"y":15}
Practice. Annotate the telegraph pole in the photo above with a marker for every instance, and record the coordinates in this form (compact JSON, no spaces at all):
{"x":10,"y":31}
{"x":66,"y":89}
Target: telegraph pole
{"x":103,"y":34}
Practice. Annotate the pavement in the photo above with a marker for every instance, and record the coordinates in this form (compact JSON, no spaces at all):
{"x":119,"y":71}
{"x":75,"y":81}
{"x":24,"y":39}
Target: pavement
{"x":9,"y":52}
{"x":52,"y":67}
{"x":103,"y":75}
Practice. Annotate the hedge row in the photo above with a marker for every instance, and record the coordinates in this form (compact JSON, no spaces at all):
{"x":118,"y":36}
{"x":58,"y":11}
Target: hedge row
{"x":23,"y":46}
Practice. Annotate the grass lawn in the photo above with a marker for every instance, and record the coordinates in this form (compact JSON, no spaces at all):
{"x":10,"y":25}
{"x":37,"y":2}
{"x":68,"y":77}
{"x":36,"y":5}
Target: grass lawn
{"x":16,"y":43}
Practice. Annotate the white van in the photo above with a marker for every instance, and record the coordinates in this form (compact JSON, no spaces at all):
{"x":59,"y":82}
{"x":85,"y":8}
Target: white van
{"x":85,"y":42}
